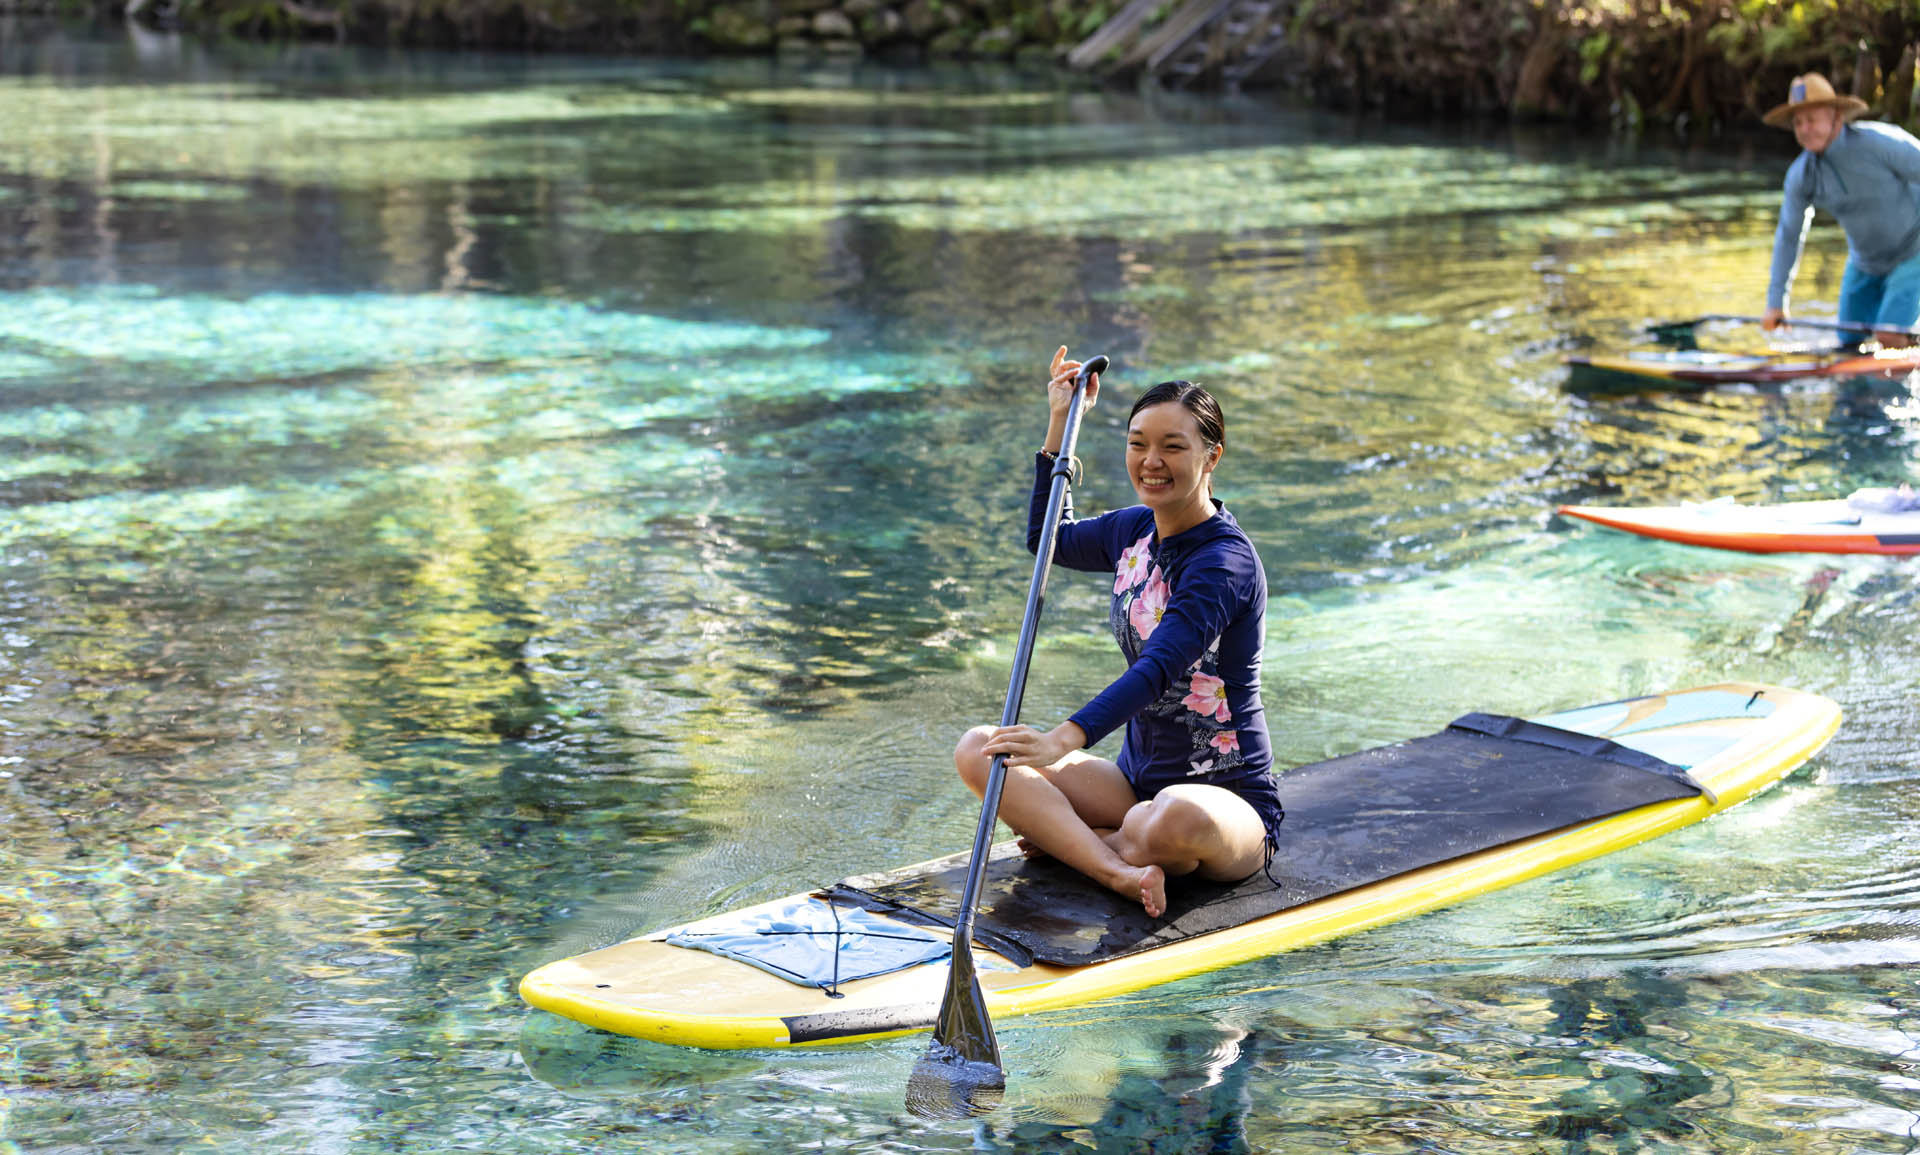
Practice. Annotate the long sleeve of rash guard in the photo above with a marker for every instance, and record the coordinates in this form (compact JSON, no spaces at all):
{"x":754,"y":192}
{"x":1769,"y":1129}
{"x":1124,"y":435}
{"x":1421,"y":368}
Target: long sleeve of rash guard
{"x":1209,"y":596}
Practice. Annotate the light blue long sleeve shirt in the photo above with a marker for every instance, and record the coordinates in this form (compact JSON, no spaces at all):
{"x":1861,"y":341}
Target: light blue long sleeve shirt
{"x":1869,"y":179}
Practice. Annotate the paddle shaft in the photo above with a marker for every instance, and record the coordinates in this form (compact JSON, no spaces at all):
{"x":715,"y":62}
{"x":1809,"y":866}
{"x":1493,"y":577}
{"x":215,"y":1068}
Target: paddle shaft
{"x":1023,"y":651}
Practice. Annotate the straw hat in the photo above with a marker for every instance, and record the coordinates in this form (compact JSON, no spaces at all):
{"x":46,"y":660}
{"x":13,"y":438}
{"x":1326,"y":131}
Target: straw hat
{"x":1813,"y":91}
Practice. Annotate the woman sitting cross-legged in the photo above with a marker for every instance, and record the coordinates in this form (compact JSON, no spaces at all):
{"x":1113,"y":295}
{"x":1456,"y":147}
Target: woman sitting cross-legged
{"x":1193,"y":791}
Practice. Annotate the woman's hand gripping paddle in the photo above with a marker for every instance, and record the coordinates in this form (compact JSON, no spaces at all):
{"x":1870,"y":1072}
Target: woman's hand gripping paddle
{"x":960,"y":1075}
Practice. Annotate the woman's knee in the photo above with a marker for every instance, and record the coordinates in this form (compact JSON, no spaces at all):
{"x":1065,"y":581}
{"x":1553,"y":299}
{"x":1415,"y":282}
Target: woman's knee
{"x":1201,"y":822}
{"x":970,"y":759}
{"x":1174,"y":822}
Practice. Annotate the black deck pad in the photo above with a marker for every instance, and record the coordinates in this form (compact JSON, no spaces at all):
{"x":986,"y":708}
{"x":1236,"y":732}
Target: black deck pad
{"x":1350,"y":821}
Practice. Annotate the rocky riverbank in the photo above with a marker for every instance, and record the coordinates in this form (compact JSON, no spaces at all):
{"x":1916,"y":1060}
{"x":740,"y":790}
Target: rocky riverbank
{"x":913,"y":28}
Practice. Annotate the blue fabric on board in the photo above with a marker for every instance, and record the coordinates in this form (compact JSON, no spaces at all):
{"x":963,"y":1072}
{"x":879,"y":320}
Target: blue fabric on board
{"x":812,"y":943}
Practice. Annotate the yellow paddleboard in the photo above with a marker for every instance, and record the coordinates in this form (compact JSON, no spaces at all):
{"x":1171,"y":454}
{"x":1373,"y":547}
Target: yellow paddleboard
{"x":1733,"y":740}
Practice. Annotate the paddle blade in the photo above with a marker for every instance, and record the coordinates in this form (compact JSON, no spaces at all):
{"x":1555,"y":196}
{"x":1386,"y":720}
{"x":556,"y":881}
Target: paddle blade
{"x":945,"y":1086}
{"x":960,"y":1074}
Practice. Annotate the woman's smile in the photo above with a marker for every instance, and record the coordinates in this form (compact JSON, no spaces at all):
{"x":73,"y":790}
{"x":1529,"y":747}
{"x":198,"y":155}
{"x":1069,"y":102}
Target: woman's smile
{"x":1170,"y":465}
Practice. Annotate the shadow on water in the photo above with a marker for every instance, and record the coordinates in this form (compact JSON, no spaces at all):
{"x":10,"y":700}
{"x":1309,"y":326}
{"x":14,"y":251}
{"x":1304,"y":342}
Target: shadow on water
{"x":1611,"y":1101}
{"x":1201,"y":1099}
{"x":1197,"y":1103}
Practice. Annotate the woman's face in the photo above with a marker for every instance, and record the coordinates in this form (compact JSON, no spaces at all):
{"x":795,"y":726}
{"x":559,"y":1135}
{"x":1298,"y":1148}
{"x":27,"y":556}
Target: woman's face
{"x":1167,"y":461}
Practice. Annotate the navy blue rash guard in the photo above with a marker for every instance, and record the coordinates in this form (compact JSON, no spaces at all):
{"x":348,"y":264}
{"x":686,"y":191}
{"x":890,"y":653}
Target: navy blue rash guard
{"x":1190,"y":616}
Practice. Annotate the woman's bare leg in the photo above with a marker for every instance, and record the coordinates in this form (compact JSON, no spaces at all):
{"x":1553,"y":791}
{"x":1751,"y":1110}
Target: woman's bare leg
{"x":1192,"y":828}
{"x":1057,"y":808}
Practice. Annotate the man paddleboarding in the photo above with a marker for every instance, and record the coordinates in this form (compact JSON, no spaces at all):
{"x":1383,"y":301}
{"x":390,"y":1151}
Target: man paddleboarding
{"x":1867,"y":175}
{"x":1193,"y":791}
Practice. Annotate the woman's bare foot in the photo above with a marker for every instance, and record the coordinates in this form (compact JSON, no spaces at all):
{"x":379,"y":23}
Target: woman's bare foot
{"x":1151,"y":885}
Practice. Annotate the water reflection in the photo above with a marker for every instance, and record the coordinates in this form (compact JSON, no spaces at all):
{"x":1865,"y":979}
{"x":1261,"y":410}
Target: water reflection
{"x":1197,"y":1099}
{"x":461,"y":511}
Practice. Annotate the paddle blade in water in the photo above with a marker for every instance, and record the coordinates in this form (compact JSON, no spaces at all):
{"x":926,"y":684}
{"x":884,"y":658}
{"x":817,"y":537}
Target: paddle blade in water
{"x":945,"y":1086}
{"x":960,"y":1074}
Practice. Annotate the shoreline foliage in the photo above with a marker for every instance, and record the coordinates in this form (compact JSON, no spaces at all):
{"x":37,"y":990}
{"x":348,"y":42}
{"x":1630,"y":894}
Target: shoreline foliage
{"x":1687,"y":65}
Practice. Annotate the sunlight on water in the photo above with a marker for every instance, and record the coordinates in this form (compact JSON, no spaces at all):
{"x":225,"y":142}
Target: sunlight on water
{"x":274,"y":335}
{"x":1206,"y":192}
{"x":243,"y":131}
{"x":464,"y":511}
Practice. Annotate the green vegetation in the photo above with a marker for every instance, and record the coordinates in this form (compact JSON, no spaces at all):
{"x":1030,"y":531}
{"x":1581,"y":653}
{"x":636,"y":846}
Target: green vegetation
{"x":1682,"y":63}
{"x":1688,"y":64}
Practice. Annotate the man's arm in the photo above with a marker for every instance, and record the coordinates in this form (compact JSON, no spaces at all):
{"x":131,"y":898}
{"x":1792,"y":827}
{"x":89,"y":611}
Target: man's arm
{"x":1796,"y":213}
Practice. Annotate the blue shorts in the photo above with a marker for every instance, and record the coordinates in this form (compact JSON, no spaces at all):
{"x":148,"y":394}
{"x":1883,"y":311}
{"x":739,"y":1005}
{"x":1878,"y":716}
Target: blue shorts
{"x":1889,"y":302}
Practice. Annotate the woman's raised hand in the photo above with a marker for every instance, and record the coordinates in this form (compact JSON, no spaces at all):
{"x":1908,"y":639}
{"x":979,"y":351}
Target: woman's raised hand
{"x":1060,"y":383}
{"x":1060,"y":396}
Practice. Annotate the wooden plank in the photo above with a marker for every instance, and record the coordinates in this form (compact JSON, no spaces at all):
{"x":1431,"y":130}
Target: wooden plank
{"x":1119,"y":28}
{"x":1154,"y":49}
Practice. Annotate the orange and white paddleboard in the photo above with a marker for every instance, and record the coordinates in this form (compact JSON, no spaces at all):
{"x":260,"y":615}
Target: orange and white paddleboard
{"x":1701,"y":368}
{"x":1794,"y":527}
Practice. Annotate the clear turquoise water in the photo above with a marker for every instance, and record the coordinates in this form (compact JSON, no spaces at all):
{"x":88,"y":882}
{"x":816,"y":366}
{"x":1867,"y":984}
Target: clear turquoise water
{"x":461,"y":511}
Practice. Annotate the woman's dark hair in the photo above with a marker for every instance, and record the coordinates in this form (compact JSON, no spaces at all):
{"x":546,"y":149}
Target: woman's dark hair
{"x":1195,"y":400}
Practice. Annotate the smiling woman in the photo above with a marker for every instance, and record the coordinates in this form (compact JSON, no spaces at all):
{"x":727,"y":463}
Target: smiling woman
{"x":1192,"y":791}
